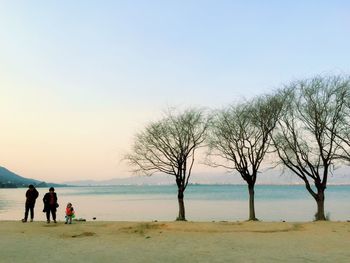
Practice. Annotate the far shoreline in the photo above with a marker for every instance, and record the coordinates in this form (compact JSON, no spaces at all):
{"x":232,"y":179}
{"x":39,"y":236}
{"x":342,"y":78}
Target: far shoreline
{"x":150,"y":185}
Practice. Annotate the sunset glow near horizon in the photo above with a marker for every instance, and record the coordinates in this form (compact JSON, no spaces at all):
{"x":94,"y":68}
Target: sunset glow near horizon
{"x":79,"y":79}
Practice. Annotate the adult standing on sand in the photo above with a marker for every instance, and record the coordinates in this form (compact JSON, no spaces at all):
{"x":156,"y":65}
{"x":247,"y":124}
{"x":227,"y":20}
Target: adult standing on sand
{"x":31,"y":196}
{"x":50,"y":204}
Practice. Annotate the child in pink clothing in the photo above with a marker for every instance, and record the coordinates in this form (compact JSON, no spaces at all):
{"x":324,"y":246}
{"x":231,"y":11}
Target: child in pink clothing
{"x":69,"y":213}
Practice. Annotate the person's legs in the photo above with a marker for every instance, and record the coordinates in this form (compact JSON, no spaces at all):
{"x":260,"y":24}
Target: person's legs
{"x":31,"y":207}
{"x":26,"y":213}
{"x":48,"y":215}
{"x":70,"y":219}
{"x":53,"y":212}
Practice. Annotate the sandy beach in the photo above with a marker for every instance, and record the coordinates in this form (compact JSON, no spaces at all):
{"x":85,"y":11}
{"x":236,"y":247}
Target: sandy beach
{"x":174,"y":242}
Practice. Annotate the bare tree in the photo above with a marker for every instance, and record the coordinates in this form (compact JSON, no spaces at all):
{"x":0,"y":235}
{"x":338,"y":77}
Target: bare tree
{"x":168,"y":146}
{"x":307,"y":140}
{"x":343,"y":135}
{"x":240,"y":136}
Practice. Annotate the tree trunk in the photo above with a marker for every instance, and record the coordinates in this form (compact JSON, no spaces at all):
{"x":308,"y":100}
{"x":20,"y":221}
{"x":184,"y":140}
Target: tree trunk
{"x":180,"y":197}
{"x":320,"y":205}
{"x":251,"y":203}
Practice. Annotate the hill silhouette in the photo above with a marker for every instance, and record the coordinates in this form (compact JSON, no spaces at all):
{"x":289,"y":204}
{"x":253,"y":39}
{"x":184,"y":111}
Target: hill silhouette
{"x":9,"y":179}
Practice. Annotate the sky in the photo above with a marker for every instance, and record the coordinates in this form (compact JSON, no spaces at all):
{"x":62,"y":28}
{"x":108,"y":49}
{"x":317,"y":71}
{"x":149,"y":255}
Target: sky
{"x":78,"y":79}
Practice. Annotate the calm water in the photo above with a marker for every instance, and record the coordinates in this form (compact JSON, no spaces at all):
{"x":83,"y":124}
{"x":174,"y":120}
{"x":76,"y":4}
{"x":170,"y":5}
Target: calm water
{"x":202,"y":202}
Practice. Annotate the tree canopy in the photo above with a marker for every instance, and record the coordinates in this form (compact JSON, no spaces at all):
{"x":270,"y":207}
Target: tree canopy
{"x":241,"y":135}
{"x":307,"y":139}
{"x":168,"y":146}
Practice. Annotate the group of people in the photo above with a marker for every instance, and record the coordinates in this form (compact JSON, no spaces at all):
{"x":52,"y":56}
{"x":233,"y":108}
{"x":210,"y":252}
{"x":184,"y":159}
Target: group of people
{"x":50,"y":205}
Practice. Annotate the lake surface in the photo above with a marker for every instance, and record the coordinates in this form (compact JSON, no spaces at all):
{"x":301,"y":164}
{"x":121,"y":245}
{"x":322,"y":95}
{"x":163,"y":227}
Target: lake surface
{"x":202,"y":203}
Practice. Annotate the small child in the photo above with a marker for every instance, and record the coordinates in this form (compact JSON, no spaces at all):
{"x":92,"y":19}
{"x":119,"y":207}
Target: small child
{"x":69,"y":213}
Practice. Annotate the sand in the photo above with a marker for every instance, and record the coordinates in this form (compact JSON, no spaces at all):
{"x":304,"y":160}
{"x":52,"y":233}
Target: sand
{"x":84,"y":242}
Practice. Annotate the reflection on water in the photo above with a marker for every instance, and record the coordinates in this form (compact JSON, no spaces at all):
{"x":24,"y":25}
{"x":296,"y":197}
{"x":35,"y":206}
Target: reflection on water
{"x":203,"y":203}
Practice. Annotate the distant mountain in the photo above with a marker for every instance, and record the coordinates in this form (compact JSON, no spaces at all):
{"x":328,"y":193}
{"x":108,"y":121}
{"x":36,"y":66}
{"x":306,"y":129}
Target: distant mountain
{"x":133,"y":180}
{"x":9,"y":179}
{"x":267,"y":177}
{"x":163,"y":179}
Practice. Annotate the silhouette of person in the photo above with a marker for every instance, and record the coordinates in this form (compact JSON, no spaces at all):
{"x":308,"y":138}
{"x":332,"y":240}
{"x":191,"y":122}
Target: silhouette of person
{"x":50,"y":204}
{"x":31,"y":196}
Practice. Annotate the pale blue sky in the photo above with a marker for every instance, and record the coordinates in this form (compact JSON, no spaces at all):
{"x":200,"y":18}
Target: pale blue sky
{"x":79,"y":78}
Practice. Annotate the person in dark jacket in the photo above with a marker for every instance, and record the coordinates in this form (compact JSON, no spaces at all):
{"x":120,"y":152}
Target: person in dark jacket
{"x":50,"y":204}
{"x":31,"y":196}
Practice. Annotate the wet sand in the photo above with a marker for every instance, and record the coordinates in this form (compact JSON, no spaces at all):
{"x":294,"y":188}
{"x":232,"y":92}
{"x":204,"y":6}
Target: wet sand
{"x":84,"y":242}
